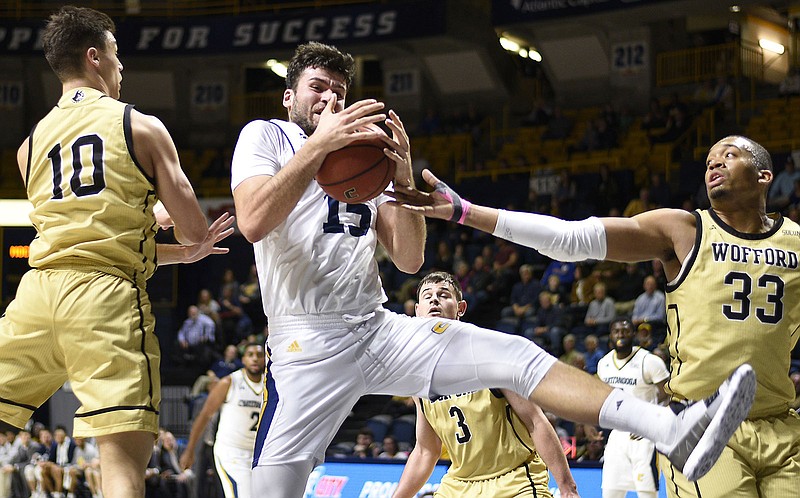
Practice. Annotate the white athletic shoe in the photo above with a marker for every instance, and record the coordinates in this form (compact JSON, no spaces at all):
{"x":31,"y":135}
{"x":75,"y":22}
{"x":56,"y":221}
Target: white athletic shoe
{"x":703,"y":429}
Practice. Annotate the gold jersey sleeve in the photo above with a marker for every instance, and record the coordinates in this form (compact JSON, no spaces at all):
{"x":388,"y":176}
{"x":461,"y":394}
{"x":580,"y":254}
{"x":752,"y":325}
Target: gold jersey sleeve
{"x":736,"y":301}
{"x":92,"y":202}
{"x":483,"y":436}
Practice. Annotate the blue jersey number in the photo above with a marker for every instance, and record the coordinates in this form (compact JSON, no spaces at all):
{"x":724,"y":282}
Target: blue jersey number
{"x":333,"y":225}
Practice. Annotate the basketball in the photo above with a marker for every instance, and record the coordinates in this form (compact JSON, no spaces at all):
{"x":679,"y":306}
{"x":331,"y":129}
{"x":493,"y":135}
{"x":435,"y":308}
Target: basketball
{"x":357,"y":172}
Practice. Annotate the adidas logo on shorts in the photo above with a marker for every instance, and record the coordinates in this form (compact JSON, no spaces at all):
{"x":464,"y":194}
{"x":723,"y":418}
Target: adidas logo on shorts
{"x":294,"y":347}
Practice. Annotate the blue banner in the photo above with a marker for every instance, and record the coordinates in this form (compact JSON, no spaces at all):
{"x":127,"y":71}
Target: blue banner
{"x":234,"y":34}
{"x":378,"y":479}
{"x":515,"y":11}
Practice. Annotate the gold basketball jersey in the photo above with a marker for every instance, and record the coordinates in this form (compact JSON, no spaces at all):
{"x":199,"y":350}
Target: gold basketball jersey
{"x":92,"y":202}
{"x":736,"y":301}
{"x":482,"y":434}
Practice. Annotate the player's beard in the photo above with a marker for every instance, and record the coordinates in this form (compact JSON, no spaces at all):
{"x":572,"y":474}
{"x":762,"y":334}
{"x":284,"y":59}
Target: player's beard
{"x":303,"y":116}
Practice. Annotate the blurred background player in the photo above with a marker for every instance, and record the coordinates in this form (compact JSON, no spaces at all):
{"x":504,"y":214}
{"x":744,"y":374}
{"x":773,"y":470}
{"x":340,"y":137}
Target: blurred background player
{"x":238,"y":399}
{"x":629,"y":462}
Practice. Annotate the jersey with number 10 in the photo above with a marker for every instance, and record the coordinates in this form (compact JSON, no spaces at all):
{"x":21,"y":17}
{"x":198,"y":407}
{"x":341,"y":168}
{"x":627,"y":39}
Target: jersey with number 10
{"x":736,"y":301}
{"x":92,"y":203}
{"x":320,"y":259}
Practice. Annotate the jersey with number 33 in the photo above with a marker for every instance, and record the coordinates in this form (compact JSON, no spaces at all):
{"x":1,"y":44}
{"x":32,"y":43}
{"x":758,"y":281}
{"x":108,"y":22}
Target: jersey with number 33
{"x":736,"y":301}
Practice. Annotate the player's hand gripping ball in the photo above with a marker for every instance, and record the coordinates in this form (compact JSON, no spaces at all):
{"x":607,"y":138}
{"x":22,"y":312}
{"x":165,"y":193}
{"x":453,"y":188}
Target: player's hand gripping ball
{"x":357,"y":172}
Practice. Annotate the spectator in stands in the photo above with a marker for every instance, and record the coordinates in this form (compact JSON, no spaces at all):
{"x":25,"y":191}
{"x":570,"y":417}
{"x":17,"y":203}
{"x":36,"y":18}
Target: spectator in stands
{"x":593,"y":352}
{"x":590,"y":139}
{"x":599,"y":315}
{"x":611,"y":117}
{"x":677,"y":124}
{"x":656,"y":116}
{"x":559,"y":127}
{"x":594,"y":449}
{"x":208,"y":305}
{"x":570,"y":355}
{"x":228,"y":282}
{"x":173,"y":481}
{"x":628,"y":288}
{"x":24,"y":450}
{"x":250,"y":299}
{"x":564,"y":271}
{"x":431,"y":123}
{"x":196,"y":337}
{"x":85,"y":463}
{"x":228,"y":364}
{"x":640,"y":204}
{"x":6,"y":467}
{"x":783,"y":185}
{"x":540,"y":114}
{"x":443,"y":261}
{"x":365,"y":446}
{"x":650,"y":307}
{"x":480,"y":281}
{"x":723,"y":98}
{"x":234,"y":323}
{"x":559,"y":293}
{"x":659,"y":191}
{"x":41,"y":453}
{"x":657,"y":271}
{"x":390,"y":449}
{"x":703,"y":95}
{"x":566,"y":194}
{"x":546,"y":328}
{"x":606,"y":191}
{"x":582,"y":291}
{"x":61,"y":455}
{"x":606,"y":134}
{"x":524,"y":298}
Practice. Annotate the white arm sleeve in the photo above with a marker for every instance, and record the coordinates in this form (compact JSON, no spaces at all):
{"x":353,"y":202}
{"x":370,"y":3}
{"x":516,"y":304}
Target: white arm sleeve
{"x":557,"y":239}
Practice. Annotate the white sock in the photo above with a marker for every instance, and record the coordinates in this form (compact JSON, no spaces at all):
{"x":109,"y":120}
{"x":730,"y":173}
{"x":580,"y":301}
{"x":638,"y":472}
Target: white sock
{"x":625,"y":412}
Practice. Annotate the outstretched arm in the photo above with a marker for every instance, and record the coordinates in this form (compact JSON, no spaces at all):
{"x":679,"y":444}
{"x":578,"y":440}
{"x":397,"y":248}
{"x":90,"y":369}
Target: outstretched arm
{"x":664,"y":234}
{"x":402,"y":232}
{"x":176,"y":253}
{"x":546,"y":442}
{"x":422,"y":459}
{"x":210,"y":407}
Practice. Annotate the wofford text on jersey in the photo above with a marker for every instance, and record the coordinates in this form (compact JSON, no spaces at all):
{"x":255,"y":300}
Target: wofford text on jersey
{"x":770,"y":256}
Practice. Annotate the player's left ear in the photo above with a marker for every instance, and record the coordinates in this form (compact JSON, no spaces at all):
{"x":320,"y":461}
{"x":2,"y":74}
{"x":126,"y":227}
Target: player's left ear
{"x":462,"y":308}
{"x":764,"y":176}
{"x":93,"y":56}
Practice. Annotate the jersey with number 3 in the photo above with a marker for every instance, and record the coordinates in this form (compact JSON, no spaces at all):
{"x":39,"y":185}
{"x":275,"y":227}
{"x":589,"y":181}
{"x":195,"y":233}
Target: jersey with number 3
{"x":238,"y":417}
{"x":92,"y":202}
{"x":320,"y":259}
{"x":736,"y":301}
{"x":483,"y":435}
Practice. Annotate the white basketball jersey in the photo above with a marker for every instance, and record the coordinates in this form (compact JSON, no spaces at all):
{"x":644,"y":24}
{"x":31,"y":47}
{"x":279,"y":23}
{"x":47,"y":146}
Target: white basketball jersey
{"x":238,"y":417}
{"x":637,"y":374}
{"x":321,"y":258}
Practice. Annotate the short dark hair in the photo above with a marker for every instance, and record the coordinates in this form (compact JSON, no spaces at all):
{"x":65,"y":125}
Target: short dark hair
{"x":69,"y":33}
{"x":440,"y":277}
{"x":621,"y":318}
{"x":315,"y":54}
{"x":253,"y":344}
